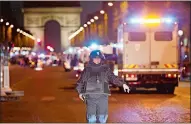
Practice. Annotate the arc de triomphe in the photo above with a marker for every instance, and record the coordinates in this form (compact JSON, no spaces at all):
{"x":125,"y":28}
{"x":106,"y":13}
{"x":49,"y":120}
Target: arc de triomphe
{"x":68,"y":18}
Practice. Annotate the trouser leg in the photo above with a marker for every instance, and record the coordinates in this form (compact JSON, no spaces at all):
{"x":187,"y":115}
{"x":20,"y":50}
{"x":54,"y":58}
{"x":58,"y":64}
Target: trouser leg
{"x":91,"y":110}
{"x":102,"y":109}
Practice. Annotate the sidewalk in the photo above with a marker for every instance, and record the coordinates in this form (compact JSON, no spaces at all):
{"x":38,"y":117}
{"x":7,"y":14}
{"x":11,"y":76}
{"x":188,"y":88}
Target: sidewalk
{"x":185,"y":79}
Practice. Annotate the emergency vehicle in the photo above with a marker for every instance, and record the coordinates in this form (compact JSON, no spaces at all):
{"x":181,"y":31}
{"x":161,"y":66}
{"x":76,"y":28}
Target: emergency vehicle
{"x":149,"y":55}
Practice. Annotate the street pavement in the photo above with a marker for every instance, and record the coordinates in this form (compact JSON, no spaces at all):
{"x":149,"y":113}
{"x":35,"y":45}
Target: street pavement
{"x":49,"y":96}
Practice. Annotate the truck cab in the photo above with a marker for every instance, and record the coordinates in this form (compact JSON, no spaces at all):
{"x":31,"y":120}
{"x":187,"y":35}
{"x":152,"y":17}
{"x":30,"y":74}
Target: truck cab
{"x":149,"y":54}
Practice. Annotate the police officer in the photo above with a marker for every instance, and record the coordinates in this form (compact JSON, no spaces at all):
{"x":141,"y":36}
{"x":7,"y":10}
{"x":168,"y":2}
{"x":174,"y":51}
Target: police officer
{"x":93,"y":87}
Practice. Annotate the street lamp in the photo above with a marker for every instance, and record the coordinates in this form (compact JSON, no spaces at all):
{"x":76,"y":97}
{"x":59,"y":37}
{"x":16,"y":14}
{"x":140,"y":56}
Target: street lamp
{"x":85,"y":25}
{"x":88,"y":23}
{"x":12,"y":26}
{"x":110,"y":4}
{"x":180,"y":32}
{"x":7,"y":23}
{"x":18,"y":30}
{"x":38,"y":40}
{"x":96,"y":17}
{"x":1,"y":20}
{"x":102,"y":11}
{"x":92,"y":20}
{"x":81,"y":28}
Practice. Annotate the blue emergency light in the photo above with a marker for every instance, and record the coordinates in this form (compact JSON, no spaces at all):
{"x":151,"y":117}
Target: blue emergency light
{"x":151,"y":20}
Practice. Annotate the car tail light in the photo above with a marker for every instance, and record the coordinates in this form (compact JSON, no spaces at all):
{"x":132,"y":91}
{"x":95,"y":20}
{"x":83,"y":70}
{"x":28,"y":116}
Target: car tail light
{"x":171,"y":75}
{"x":174,"y":75}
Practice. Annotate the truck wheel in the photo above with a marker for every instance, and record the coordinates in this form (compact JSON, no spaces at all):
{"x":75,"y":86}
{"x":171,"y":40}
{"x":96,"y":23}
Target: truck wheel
{"x":170,"y":89}
{"x":132,"y":90}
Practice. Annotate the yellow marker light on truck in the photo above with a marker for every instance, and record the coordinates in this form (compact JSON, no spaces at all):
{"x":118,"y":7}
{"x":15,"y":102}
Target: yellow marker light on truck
{"x":174,"y":75}
{"x":151,"y":21}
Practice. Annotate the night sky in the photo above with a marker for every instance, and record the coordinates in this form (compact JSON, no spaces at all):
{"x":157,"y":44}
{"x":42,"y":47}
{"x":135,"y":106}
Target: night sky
{"x":88,"y":8}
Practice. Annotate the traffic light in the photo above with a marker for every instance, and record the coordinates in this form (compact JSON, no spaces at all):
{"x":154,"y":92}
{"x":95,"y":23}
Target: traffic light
{"x":48,"y":47}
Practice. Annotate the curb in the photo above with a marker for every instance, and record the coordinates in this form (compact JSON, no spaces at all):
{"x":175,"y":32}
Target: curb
{"x":185,"y":80}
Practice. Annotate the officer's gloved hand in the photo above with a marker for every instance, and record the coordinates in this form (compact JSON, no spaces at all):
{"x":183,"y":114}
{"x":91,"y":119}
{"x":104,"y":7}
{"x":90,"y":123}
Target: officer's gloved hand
{"x":126,"y":88}
{"x":82,"y":97}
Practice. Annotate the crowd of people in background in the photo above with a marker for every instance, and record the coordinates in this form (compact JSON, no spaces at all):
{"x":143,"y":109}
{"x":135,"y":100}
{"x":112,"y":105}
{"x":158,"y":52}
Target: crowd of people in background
{"x":68,"y":61}
{"x":59,"y":60}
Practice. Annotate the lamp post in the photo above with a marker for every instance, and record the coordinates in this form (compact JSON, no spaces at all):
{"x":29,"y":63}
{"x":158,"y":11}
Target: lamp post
{"x":1,"y":51}
{"x":6,"y":87}
{"x":181,"y":36}
{"x":1,"y":70}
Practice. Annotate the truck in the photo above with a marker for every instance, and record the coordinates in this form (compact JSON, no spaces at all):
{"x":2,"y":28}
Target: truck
{"x":148,"y":54}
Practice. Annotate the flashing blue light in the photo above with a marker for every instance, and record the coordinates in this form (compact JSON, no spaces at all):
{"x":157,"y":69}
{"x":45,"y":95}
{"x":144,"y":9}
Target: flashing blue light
{"x":154,"y":20}
{"x":167,"y":20}
{"x":135,"y":20}
{"x":94,"y":45}
{"x":70,"y":50}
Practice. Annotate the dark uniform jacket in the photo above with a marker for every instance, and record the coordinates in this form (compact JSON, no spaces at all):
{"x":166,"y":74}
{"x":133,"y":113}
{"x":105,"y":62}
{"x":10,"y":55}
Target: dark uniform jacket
{"x":95,"y":79}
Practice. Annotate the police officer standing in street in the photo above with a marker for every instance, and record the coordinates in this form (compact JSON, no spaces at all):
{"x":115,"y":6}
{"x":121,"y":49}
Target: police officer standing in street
{"x":93,"y":87}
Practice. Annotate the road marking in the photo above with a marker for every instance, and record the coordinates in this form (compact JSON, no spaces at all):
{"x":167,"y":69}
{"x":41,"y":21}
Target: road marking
{"x":36,"y":119}
{"x":112,"y":99}
{"x":76,"y":99}
{"x":48,"y":98}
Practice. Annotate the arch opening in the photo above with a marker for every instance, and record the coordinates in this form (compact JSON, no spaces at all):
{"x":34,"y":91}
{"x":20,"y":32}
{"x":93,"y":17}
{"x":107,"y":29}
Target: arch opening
{"x":52,"y":33}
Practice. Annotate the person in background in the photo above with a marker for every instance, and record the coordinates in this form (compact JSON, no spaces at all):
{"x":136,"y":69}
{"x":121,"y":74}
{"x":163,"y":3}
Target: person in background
{"x":74,"y":61}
